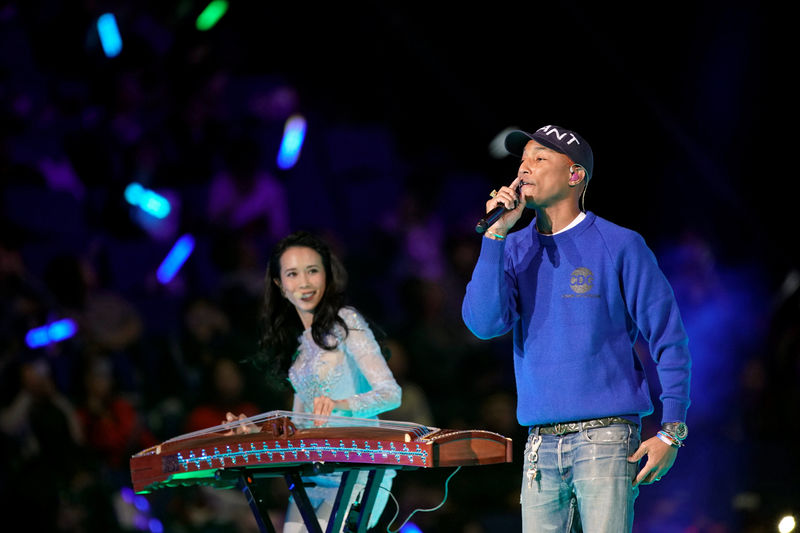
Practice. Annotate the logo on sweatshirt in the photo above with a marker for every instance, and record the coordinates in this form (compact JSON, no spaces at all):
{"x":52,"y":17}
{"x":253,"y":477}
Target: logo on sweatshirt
{"x":581,"y":280}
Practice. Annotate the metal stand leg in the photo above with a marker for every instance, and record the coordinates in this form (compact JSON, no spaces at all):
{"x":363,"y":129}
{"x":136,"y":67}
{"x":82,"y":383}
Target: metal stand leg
{"x":339,"y":510}
{"x":367,"y":501}
{"x":252,"y":491}
{"x":354,"y":518}
{"x":295,"y":483}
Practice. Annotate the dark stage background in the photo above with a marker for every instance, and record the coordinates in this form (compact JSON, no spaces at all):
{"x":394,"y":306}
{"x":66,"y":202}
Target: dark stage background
{"x":687,"y":108}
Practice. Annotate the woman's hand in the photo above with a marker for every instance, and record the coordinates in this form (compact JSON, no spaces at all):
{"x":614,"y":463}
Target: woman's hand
{"x":324,"y":406}
{"x":242,"y":427}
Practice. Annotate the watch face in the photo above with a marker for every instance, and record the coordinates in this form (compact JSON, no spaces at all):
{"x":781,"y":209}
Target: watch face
{"x":679,"y":429}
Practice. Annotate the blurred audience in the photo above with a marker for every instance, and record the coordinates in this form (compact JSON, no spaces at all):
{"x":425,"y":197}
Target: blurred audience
{"x":42,"y":444}
{"x":113,"y":427}
{"x":223,"y":393}
{"x":415,"y":406}
{"x":244,"y":198}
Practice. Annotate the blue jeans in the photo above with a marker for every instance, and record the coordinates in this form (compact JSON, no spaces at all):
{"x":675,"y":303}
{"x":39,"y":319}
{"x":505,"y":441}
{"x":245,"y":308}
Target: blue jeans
{"x":583,"y":481}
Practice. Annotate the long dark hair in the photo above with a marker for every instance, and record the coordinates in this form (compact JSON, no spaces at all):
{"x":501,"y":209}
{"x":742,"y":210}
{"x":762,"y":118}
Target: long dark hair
{"x":280,"y":323}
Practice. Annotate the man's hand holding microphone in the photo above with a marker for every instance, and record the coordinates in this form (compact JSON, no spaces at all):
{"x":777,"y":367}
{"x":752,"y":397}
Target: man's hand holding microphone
{"x":503,"y":210}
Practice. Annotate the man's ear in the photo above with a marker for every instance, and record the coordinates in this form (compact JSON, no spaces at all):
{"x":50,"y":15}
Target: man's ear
{"x":578,"y":174}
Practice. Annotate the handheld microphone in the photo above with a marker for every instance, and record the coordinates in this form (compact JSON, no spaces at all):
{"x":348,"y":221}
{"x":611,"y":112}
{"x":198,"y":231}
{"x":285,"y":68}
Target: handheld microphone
{"x":490,"y":218}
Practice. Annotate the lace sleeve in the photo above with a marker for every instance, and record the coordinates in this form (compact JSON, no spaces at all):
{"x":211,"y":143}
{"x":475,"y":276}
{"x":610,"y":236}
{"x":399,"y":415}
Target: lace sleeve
{"x":297,"y":404}
{"x":383,"y":393}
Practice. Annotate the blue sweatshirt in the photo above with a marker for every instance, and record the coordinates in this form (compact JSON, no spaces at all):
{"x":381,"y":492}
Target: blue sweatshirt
{"x":577,"y":302}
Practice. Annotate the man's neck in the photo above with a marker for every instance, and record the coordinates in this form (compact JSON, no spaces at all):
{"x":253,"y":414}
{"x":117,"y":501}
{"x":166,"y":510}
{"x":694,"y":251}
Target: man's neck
{"x":553,"y":219}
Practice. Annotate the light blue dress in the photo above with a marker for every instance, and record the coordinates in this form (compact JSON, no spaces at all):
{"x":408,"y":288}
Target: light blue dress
{"x":356,"y":372}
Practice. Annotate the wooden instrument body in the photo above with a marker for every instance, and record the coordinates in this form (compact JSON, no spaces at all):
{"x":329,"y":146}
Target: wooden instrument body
{"x":339,"y":443}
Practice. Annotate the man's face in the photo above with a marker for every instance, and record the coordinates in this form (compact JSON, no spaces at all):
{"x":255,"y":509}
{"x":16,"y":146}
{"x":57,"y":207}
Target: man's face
{"x":545,"y":176}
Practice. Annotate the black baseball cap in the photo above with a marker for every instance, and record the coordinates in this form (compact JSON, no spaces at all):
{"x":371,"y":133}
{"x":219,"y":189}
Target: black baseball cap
{"x":556,"y":138}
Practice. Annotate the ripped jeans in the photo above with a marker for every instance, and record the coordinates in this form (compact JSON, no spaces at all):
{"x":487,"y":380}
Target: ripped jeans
{"x":581,"y":481}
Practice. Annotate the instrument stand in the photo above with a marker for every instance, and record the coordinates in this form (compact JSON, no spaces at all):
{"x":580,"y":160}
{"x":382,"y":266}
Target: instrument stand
{"x":255,"y":499}
{"x":354,"y":519}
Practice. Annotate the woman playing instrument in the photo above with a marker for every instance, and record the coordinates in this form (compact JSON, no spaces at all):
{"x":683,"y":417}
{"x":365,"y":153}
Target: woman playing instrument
{"x":326,"y":351}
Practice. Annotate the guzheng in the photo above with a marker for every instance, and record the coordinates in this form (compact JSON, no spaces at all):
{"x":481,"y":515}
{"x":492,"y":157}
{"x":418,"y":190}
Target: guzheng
{"x":280,"y":439}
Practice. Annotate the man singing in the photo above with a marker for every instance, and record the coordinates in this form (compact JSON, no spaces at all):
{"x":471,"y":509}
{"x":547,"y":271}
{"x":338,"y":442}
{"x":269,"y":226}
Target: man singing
{"x":578,"y":290}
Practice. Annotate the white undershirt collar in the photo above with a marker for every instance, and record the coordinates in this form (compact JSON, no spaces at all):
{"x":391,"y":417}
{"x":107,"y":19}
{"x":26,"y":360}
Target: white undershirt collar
{"x":575,"y":222}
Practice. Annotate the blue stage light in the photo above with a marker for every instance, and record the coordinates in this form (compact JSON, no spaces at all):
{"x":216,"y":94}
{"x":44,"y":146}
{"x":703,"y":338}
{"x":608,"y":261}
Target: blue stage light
{"x":49,"y":333}
{"x":294,"y":133}
{"x":37,"y":337}
{"x":110,"y":38}
{"x":141,"y":503}
{"x":175,"y":259}
{"x":147,"y":200}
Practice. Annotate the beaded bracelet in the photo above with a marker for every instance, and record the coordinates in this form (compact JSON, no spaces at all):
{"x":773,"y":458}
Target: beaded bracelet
{"x":495,"y":235}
